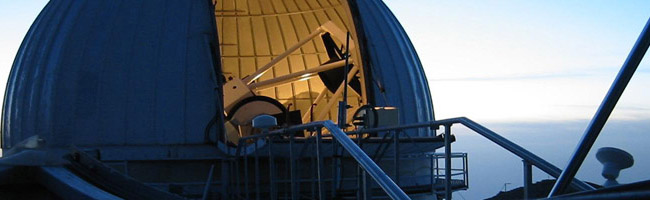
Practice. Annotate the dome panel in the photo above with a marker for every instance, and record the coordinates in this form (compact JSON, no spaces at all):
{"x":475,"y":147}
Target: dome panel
{"x":393,"y":63}
{"x":94,"y":73}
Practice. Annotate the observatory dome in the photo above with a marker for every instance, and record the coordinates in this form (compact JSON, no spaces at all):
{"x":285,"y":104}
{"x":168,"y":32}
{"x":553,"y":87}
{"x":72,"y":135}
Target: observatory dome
{"x":107,"y":73}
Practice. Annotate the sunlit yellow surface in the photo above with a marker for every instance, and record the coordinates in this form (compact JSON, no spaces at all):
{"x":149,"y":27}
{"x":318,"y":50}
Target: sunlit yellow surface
{"x":252,"y":33}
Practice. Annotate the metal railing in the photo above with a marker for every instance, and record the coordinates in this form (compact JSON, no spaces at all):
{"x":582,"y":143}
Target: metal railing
{"x":457,"y":174}
{"x":351,"y":142}
{"x":528,"y":157}
{"x":366,"y":165}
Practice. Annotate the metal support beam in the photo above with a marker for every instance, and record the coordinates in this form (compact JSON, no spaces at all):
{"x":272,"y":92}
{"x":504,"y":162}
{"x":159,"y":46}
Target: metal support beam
{"x":366,"y":162}
{"x":343,"y":105}
{"x":257,"y":74}
{"x":339,"y":92}
{"x":448,"y":161}
{"x":296,"y":76}
{"x":605,"y":109}
{"x":528,"y":178}
{"x":67,"y":185}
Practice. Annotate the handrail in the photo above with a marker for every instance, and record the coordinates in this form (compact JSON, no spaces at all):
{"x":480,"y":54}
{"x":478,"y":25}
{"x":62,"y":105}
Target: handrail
{"x":387,"y":184}
{"x":521,"y":152}
{"x":366,"y":162}
{"x":492,"y":136}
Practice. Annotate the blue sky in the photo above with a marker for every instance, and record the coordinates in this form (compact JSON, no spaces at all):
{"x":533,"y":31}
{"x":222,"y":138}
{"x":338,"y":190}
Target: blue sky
{"x":526,"y":60}
{"x":534,"y":71}
{"x":15,"y":19}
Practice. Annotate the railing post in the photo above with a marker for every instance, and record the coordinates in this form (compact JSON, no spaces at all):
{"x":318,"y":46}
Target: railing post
{"x":246,"y":181}
{"x":313,"y":164}
{"x":528,"y":178}
{"x":360,"y":183}
{"x":337,"y":167}
{"x":206,"y":189}
{"x":224,"y":179}
{"x":396,"y":161}
{"x":448,"y":161}
{"x":271,"y":170}
{"x":257,"y":174}
{"x":367,"y":191}
{"x":466,"y":167}
{"x":292,"y":166}
{"x":433,"y":187}
{"x":236,"y":170}
{"x":437,"y":169}
{"x":319,"y":162}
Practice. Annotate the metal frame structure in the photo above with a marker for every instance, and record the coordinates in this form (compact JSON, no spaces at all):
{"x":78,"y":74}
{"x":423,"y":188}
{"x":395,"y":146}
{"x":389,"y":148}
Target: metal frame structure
{"x":368,"y":165}
{"x":251,"y":182}
{"x":364,"y":161}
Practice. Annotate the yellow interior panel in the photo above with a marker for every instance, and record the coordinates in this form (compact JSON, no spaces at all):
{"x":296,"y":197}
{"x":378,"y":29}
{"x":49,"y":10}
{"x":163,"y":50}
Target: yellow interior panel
{"x":253,"y":32}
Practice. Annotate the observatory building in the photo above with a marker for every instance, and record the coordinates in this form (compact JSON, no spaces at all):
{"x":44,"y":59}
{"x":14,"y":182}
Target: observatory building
{"x":159,"y":99}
